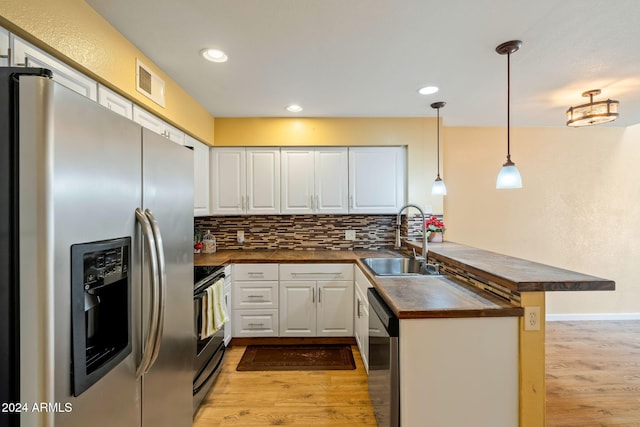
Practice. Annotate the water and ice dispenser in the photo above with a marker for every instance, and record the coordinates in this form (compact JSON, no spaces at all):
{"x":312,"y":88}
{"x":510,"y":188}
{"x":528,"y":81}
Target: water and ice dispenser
{"x":100,"y":309}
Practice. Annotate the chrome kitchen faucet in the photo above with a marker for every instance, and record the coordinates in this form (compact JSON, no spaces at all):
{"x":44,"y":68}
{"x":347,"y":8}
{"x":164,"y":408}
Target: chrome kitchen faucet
{"x":424,"y":231}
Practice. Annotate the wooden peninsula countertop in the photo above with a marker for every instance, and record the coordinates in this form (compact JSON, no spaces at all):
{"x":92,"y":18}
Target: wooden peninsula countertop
{"x":514,"y":273}
{"x":412,"y":297}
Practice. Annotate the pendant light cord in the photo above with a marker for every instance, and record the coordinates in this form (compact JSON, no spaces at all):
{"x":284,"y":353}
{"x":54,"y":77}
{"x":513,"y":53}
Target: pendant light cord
{"x":508,"y":107}
{"x":438,"y":144}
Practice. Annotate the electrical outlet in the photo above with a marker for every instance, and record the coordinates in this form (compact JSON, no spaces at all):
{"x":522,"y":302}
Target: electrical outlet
{"x":532,"y":318}
{"x":240,"y":236}
{"x":350,"y":235}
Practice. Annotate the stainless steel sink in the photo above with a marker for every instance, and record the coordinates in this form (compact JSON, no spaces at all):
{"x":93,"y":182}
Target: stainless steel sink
{"x":399,"y":267}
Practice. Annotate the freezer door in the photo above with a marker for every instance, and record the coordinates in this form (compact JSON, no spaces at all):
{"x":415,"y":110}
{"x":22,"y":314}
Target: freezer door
{"x":80,"y":168}
{"x":168,"y":193}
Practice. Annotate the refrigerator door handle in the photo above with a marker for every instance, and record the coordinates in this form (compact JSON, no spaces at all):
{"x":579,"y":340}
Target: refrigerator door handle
{"x":162,"y":281}
{"x":149,"y":344}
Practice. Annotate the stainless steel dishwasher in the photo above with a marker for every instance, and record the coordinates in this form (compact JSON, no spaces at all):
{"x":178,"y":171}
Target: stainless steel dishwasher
{"x":384,"y":374}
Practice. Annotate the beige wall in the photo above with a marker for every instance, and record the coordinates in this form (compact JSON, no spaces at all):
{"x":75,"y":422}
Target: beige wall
{"x":418,"y":134}
{"x":75,"y":33}
{"x":579,"y":207}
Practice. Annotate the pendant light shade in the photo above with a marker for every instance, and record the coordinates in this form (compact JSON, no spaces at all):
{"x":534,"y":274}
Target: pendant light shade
{"x":509,"y":176}
{"x":438,"y":188}
{"x":592,"y":113}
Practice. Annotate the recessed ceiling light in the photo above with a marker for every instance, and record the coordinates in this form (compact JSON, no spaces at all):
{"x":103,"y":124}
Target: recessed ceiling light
{"x":294,"y":108}
{"x":427,"y":90}
{"x":214,"y":55}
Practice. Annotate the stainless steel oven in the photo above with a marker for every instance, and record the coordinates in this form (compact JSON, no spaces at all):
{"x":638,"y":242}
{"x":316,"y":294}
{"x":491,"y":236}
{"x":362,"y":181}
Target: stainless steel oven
{"x":210,"y":350}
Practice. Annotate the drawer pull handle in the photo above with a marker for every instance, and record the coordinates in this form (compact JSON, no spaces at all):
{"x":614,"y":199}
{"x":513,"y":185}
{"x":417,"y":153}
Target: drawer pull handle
{"x":317,"y":274}
{"x":255,"y":296}
{"x":256,"y":326}
{"x":253,"y":273}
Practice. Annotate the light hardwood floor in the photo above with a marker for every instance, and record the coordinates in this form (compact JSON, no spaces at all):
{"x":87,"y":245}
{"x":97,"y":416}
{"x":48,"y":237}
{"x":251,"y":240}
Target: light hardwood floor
{"x":292,"y":398}
{"x":593,"y":374}
{"x":593,"y":379}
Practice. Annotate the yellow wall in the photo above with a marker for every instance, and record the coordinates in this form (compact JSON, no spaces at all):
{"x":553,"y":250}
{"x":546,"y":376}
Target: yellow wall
{"x":579,"y":207}
{"x":75,"y":33}
{"x":418,"y":134}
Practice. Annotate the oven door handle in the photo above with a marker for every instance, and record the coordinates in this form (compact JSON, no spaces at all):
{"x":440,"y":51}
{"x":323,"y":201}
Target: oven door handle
{"x":162,"y":284}
{"x":149,"y":343}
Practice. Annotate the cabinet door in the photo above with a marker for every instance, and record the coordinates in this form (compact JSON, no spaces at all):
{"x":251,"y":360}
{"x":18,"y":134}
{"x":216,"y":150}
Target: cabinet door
{"x":228,"y":183}
{"x":114,"y":102}
{"x":228,"y":327}
{"x":263,"y":181}
{"x":298,"y":309}
{"x":27,"y":55}
{"x":200,"y":175}
{"x":4,"y":47}
{"x":148,"y":120}
{"x":298,"y":196}
{"x":376,"y":179}
{"x":335,"y":309}
{"x":331,"y":180}
{"x":361,"y":326}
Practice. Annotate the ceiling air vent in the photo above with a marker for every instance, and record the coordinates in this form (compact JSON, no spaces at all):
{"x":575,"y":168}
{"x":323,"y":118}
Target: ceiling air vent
{"x":149,"y":84}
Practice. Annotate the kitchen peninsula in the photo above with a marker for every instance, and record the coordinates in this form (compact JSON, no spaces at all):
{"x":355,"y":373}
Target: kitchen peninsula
{"x":478,"y":284}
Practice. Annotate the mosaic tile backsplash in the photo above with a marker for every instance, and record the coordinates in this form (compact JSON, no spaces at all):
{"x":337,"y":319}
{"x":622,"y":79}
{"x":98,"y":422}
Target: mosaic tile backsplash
{"x":306,"y":232}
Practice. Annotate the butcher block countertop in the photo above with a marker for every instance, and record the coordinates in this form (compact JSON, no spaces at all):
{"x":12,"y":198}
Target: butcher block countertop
{"x":515,"y":273}
{"x":409,"y":297}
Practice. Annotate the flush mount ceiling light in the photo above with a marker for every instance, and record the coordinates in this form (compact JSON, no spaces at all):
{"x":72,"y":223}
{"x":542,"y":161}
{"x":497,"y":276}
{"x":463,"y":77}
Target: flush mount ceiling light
{"x":509,"y":176}
{"x":592,"y":113}
{"x":427,"y":90}
{"x":214,"y":55}
{"x":438,"y":188}
{"x":294,"y":108}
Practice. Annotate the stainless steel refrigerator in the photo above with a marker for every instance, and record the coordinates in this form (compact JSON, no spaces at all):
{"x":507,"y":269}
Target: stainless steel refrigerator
{"x":96,"y":265}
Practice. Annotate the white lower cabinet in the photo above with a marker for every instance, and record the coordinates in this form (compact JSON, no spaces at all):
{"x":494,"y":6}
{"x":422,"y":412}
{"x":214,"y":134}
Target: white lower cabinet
{"x":361,"y":313}
{"x":316,"y":300}
{"x":255,"y":300}
{"x":228,"y":327}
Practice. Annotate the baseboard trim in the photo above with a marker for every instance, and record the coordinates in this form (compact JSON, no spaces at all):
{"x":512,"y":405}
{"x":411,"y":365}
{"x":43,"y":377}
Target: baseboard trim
{"x":292,"y":341}
{"x":592,"y":316}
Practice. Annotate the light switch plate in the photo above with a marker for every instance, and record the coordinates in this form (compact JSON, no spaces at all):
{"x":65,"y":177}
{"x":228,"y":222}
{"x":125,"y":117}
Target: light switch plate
{"x":350,"y":235}
{"x":240,"y":236}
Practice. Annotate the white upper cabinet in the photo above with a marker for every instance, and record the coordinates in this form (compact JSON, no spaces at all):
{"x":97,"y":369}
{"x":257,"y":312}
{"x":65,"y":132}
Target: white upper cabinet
{"x":4,"y":47}
{"x":297,"y":174}
{"x":245,"y":181}
{"x":115,"y":102}
{"x":27,"y":55}
{"x":263,"y":181}
{"x":314,"y":180}
{"x":157,"y":125}
{"x":331,"y":180}
{"x":376,"y":179}
{"x":200,"y":175}
{"x":228,"y":181}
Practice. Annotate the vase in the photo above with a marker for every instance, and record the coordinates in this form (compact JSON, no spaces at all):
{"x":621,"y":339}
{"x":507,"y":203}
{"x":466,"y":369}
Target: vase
{"x":435,"y":237}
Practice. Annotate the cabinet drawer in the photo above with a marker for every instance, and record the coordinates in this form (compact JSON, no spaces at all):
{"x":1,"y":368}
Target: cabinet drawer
{"x":316,"y":271}
{"x":259,"y":294}
{"x":255,"y":323}
{"x":245,"y":272}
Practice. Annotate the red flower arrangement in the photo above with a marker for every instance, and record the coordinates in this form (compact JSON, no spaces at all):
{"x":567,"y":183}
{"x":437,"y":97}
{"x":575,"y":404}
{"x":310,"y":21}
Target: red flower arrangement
{"x":434,"y":224}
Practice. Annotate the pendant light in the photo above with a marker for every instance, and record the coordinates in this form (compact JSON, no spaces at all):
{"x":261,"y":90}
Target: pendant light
{"x":509,"y":176}
{"x":592,"y":113}
{"x":438,"y":188}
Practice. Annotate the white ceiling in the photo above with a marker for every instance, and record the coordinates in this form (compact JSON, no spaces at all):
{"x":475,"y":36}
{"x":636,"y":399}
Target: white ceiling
{"x":367,"y":58}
